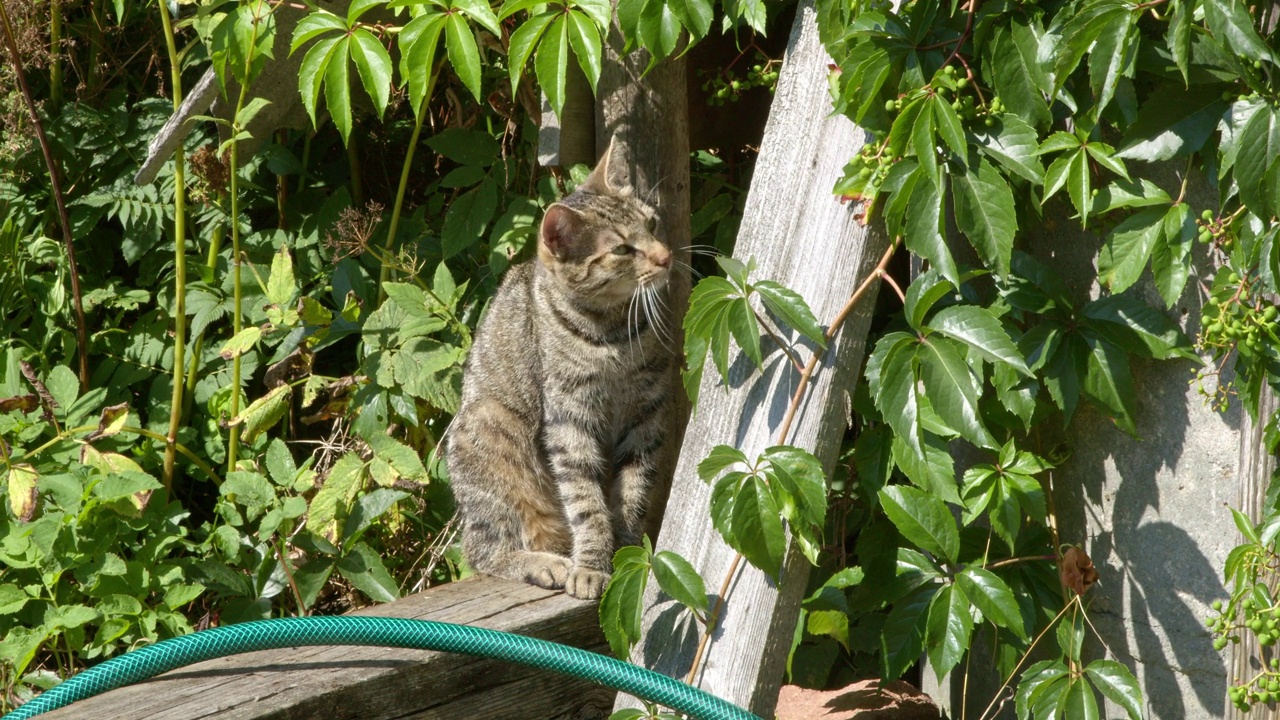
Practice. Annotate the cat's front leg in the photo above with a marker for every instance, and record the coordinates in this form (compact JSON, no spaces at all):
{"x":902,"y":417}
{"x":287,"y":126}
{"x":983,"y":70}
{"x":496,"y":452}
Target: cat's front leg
{"x":575,"y":458}
{"x":635,"y":468}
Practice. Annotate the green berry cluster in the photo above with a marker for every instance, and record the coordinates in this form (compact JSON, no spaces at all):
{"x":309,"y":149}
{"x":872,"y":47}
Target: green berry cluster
{"x":726,"y":86}
{"x":1218,"y":231}
{"x":1232,"y":317}
{"x":1264,"y":622}
{"x":966,"y":101}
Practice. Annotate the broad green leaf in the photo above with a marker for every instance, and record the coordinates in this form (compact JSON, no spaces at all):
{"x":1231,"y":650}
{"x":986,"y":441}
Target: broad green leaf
{"x":600,"y":11}
{"x":933,"y":470}
{"x":360,"y":7}
{"x":756,"y":526}
{"x":337,"y":89}
{"x":584,"y":38}
{"x":745,"y":329}
{"x":952,"y":389}
{"x":1112,"y":53}
{"x":332,"y":502}
{"x":949,"y":628}
{"x":1231,"y":23}
{"x":419,"y":43}
{"x":926,"y":290}
{"x":23,"y":495}
{"x":1259,"y":149}
{"x":1178,"y":36}
{"x":373,"y":63}
{"x":1080,"y":703}
{"x":474,"y":148}
{"x":680,"y":580}
{"x":797,"y":473}
{"x":1012,"y":143}
{"x":315,"y":24}
{"x":979,"y":329}
{"x":1105,"y":155}
{"x":264,"y":412}
{"x":481,"y":12}
{"x":659,"y":30}
{"x":1128,"y":194}
{"x":467,"y":218}
{"x":522,"y":43}
{"x":949,"y":129}
{"x":402,"y":458}
{"x":694,"y":15}
{"x":12,"y":598}
{"x":788,"y":305}
{"x":721,"y":458}
{"x":1138,"y":327}
{"x":1109,"y":382}
{"x":832,"y":623}
{"x":552,"y":62}
{"x":984,"y":213}
{"x":923,"y":231}
{"x":873,"y":460}
{"x":1035,"y":681}
{"x":1015,"y":68}
{"x":1173,"y":121}
{"x":902,"y":639}
{"x":1171,"y":257}
{"x":281,"y":284}
{"x":1119,"y":686}
{"x":1128,"y":247}
{"x":898,"y":395}
{"x":622,"y":605}
{"x":923,"y":519}
{"x":993,"y":598}
{"x":460,"y":43}
{"x":363,"y":567}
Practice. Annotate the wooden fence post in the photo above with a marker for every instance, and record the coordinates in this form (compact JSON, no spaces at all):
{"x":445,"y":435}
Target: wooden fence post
{"x":803,"y":237}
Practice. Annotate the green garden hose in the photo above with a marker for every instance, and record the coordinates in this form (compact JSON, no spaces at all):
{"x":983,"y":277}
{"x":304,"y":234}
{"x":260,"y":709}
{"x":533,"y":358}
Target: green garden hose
{"x":178,"y":652}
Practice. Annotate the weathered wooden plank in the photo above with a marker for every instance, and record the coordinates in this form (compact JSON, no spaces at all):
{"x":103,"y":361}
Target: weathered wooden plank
{"x":337,"y":683}
{"x":801,"y":236}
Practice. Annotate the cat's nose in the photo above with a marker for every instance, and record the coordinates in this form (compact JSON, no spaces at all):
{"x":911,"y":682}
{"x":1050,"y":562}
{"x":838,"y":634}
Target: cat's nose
{"x":663,"y":259}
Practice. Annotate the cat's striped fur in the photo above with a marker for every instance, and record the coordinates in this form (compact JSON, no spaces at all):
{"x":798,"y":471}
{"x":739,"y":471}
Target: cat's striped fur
{"x":566,"y":396}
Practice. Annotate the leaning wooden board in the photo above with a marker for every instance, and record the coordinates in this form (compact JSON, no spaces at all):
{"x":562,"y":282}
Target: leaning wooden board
{"x":340,"y":683}
{"x":804,"y":237}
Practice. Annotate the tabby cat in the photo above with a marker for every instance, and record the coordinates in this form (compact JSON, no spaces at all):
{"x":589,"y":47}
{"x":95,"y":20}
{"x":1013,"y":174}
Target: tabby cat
{"x":565,"y":396}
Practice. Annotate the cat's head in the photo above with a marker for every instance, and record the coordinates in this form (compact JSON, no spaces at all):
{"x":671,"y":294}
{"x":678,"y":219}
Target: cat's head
{"x":599,"y":241}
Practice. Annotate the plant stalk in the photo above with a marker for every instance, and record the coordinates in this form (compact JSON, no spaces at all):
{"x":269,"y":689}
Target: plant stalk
{"x":55,"y":55}
{"x":82,"y":341}
{"x":385,"y":273}
{"x":179,"y":261}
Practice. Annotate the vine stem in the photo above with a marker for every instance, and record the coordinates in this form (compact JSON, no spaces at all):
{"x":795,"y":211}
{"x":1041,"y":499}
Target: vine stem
{"x":1015,"y":560}
{"x":56,"y":186}
{"x":786,"y":348}
{"x":288,"y":574}
{"x":802,"y":389}
{"x":1026,"y":655}
{"x":179,"y":262}
{"x":394,"y":225}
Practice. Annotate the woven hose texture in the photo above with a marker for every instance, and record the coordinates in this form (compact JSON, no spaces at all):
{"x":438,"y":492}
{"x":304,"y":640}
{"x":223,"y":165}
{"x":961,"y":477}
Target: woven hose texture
{"x":166,"y":655}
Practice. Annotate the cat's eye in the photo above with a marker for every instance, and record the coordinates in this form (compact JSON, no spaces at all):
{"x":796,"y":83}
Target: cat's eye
{"x":623,"y":250}
{"x":651,"y":224}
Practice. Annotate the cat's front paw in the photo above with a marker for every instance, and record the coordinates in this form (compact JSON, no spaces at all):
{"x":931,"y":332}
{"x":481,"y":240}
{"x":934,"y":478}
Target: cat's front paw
{"x":548,"y":571}
{"x":585,"y":583}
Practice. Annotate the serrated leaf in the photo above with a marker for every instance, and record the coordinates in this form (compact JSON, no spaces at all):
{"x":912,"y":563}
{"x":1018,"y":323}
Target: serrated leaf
{"x":419,"y":43}
{"x":932,"y":470}
{"x":756,"y":526}
{"x":1015,"y":68}
{"x":481,"y":12}
{"x":1109,"y":382}
{"x":949,"y":628}
{"x":1259,"y":147}
{"x":1171,"y":257}
{"x":1079,"y":703}
{"x":1128,"y":247}
{"x":745,"y":330}
{"x":1138,"y":327}
{"x":332,"y":502}
{"x":622,"y":605}
{"x":993,"y":598}
{"x":373,"y":63}
{"x":315,"y":24}
{"x":337,"y":89}
{"x":897,"y":396}
{"x":1117,"y":684}
{"x":464,"y":56}
{"x":952,"y":390}
{"x":402,"y":458}
{"x":721,"y":458}
{"x":788,"y":305}
{"x":522,"y":44}
{"x":551,"y":63}
{"x":796,"y":474}
{"x":363,"y":568}
{"x":982,"y":332}
{"x":467,"y":218}
{"x":584,"y":38}
{"x":1173,"y":121}
{"x":923,"y":233}
{"x":694,"y":15}
{"x":1231,"y":23}
{"x":680,"y":580}
{"x":264,"y":412}
{"x":922,"y":519}
{"x":984,"y":213}
{"x":1112,"y":53}
{"x":1012,"y":143}
{"x":902,"y":639}
{"x":23,"y":496}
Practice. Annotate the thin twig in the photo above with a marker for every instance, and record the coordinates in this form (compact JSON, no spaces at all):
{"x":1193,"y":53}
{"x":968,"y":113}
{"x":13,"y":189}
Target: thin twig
{"x":1026,"y":655}
{"x":786,"y":348}
{"x":1015,"y":560}
{"x":56,"y":186}
{"x":288,"y":574}
{"x":721,"y":598}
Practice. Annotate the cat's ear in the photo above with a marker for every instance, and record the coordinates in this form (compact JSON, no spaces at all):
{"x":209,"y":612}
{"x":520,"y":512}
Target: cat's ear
{"x":561,"y":225}
{"x":598,"y":181}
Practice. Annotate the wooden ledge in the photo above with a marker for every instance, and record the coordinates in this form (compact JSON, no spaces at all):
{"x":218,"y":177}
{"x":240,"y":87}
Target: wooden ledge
{"x":369,"y":683}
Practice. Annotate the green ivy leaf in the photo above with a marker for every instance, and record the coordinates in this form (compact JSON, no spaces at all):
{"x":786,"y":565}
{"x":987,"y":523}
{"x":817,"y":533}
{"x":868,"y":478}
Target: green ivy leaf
{"x":788,"y":305}
{"x":721,"y":458}
{"x":982,"y":332}
{"x":622,"y":605}
{"x":923,"y":232}
{"x":695,"y":16}
{"x":1012,"y":143}
{"x":1109,"y":382}
{"x":984,"y":213}
{"x":464,"y":56}
{"x":1080,"y":703}
{"x":993,"y":598}
{"x":1111,"y":57}
{"x":522,"y":43}
{"x":584,"y":38}
{"x":933,"y":470}
{"x":1231,"y":23}
{"x":312,"y":73}
{"x":337,"y":89}
{"x":1171,"y":257}
{"x":1259,"y":151}
{"x":1017,"y":74}
{"x":1117,"y":684}
{"x":680,"y":580}
{"x":895,"y":392}
{"x":922,"y":519}
{"x":1173,"y":121}
{"x":467,"y":218}
{"x":419,"y":42}
{"x":902,"y":639}
{"x":756,"y":526}
{"x":373,"y":63}
{"x":362,"y":567}
{"x":952,"y":389}
{"x":315,"y":24}
{"x":948,"y":629}
{"x":552,"y":62}
{"x":263,"y":413}
{"x":1138,"y":328}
